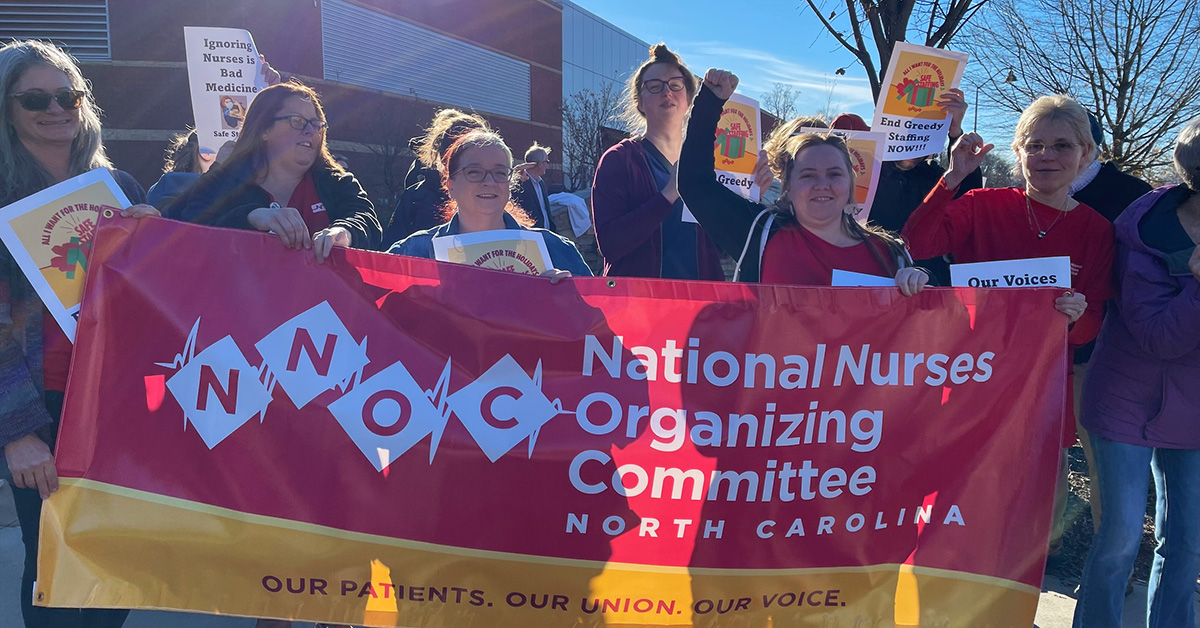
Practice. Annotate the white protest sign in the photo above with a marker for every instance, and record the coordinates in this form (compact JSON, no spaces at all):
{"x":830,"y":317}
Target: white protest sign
{"x":916,"y":76}
{"x":736,"y":144}
{"x":225,"y":74}
{"x":514,"y":250}
{"x":1037,"y":272}
{"x":851,"y":279}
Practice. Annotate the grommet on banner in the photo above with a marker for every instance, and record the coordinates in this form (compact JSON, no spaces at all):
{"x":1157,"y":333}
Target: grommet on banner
{"x":612,"y":283}
{"x":108,"y":213}
{"x":41,"y":597}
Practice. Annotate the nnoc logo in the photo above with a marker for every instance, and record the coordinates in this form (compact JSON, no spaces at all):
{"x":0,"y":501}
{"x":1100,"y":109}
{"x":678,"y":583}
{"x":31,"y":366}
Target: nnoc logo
{"x":220,"y":391}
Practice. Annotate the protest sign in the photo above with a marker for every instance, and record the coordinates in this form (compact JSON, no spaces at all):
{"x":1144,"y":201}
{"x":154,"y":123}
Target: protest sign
{"x":387,"y":441}
{"x":1038,"y":272}
{"x":866,"y":155}
{"x":513,"y":250}
{"x":851,"y":279}
{"x":906,"y":110}
{"x":225,"y":74}
{"x":49,"y":235}
{"x":736,"y":146}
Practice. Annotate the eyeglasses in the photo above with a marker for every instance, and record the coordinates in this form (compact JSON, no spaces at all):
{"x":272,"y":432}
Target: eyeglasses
{"x":300,"y":123}
{"x":475,"y":174}
{"x":68,"y":99}
{"x":655,"y":86}
{"x":1058,"y":148}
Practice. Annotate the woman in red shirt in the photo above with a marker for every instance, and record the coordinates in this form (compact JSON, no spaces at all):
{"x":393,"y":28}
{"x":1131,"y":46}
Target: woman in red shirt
{"x":812,"y":230}
{"x":1053,"y":142}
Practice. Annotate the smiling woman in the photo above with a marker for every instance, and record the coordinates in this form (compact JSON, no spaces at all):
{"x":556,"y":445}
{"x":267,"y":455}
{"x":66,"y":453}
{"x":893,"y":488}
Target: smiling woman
{"x":477,"y":175}
{"x":1054,"y":142}
{"x":281,"y":178}
{"x":51,"y":132}
{"x":812,"y":231}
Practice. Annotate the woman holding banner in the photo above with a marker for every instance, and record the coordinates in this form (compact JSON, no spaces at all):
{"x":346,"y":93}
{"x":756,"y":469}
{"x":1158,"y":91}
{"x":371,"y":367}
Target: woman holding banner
{"x":477,"y":175}
{"x":281,"y":178}
{"x":640,"y":221}
{"x":1141,"y":403}
{"x":1053,"y":142}
{"x":811,"y":231}
{"x":51,"y":132}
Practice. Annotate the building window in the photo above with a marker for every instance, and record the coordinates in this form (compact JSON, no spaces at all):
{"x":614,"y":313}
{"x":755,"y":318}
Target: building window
{"x":80,"y":26}
{"x":365,"y":48}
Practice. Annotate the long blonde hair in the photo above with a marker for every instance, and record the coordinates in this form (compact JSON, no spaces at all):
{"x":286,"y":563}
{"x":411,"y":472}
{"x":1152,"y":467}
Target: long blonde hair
{"x":23,"y":175}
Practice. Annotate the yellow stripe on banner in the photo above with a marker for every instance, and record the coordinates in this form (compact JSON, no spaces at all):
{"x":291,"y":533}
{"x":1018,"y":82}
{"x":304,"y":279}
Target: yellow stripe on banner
{"x":108,"y":546}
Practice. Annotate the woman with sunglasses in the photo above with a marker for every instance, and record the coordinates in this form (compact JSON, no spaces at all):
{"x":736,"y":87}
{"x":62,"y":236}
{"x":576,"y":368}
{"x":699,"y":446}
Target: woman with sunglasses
{"x":478,"y":177}
{"x":639,"y":218}
{"x":51,"y":133}
{"x":281,"y":178}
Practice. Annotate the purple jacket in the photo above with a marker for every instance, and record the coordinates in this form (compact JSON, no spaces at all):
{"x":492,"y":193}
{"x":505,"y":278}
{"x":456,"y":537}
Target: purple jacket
{"x":1144,"y":384}
{"x":628,"y":211}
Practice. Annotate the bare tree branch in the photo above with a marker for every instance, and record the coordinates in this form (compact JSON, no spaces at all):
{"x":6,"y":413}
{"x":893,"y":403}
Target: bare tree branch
{"x":1132,"y":62}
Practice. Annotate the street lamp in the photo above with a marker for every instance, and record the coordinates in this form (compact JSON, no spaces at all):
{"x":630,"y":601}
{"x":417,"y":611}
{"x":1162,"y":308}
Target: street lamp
{"x":1010,"y":79}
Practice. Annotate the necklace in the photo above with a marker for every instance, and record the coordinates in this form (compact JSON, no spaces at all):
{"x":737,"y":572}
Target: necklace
{"x":1033,"y":221}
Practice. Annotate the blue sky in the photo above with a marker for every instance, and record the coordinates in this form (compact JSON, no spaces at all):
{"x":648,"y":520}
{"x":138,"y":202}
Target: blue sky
{"x":763,"y":42}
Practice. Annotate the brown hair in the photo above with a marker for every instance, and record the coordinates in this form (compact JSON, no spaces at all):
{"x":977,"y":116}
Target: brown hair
{"x":446,"y":127}
{"x":632,"y":97}
{"x":453,"y":157}
{"x":250,"y":151}
{"x":781,"y":155}
{"x":183,"y":153}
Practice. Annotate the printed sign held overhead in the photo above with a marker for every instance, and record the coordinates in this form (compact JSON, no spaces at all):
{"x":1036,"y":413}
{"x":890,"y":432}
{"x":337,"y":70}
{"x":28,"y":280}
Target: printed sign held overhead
{"x":907,"y":108}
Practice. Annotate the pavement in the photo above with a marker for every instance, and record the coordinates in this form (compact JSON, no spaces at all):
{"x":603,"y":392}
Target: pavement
{"x":1055,"y":608}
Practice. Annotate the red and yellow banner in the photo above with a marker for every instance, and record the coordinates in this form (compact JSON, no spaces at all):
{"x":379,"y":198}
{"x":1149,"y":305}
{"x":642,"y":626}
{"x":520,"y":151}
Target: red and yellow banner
{"x":388,"y":441}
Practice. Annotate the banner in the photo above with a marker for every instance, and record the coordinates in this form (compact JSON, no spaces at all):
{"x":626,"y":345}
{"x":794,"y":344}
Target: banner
{"x":512,"y":250}
{"x":916,"y":75}
{"x":737,"y":143}
{"x":389,"y":441}
{"x":49,"y":234}
{"x":866,"y":155}
{"x":225,"y":74}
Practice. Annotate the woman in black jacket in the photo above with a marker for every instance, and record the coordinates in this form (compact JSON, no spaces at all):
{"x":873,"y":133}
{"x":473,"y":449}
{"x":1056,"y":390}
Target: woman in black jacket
{"x":281,"y":178}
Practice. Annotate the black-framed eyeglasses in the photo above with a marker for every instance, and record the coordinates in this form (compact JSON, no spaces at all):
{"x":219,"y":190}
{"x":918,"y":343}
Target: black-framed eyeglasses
{"x":475,"y":174}
{"x":68,"y":99}
{"x":655,"y":86}
{"x":300,"y":123}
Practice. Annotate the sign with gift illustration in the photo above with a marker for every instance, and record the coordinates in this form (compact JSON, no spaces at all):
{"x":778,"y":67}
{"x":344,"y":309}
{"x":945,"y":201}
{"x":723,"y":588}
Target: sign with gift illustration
{"x":225,"y":74}
{"x":512,"y":250}
{"x":906,"y":110}
{"x":382,"y":440}
{"x":49,"y":234}
{"x":737,"y":143}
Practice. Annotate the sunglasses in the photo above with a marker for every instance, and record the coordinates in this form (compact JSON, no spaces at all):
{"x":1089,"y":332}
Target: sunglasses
{"x":68,"y":99}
